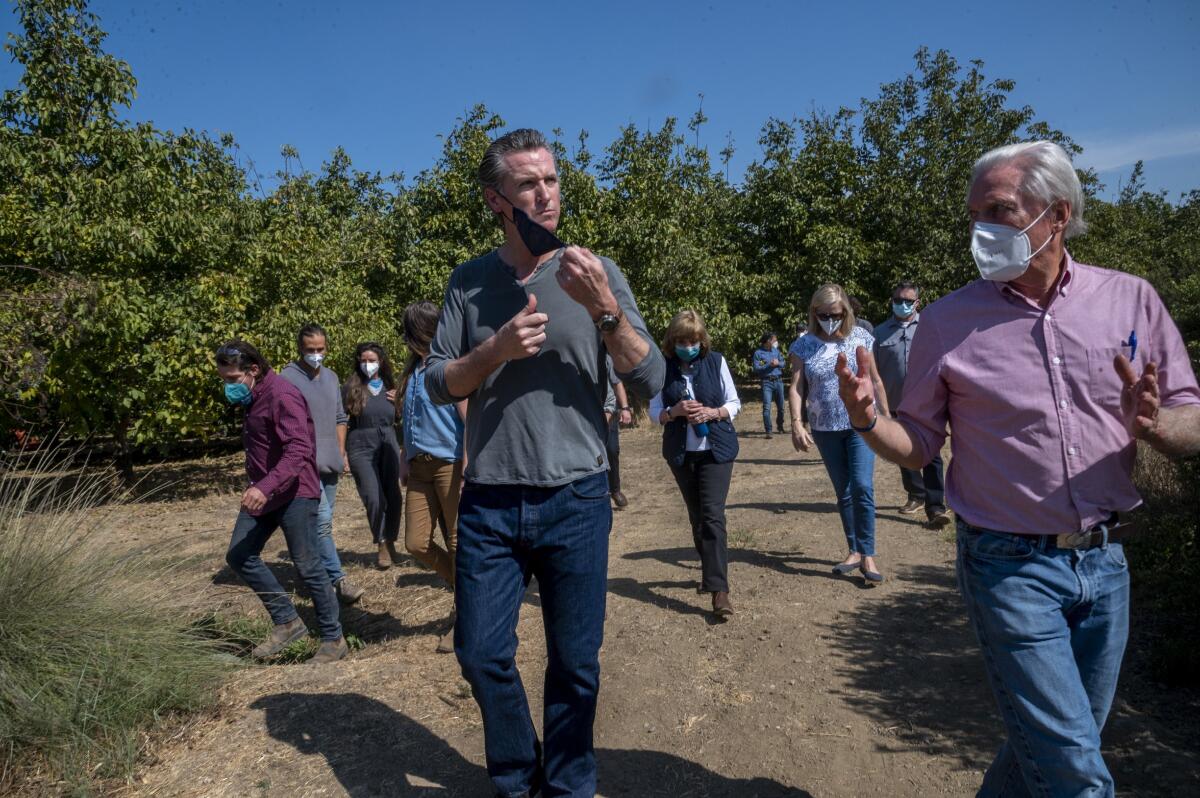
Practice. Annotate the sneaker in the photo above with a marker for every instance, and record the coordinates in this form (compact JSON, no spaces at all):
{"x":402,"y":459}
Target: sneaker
{"x":619,"y":500}
{"x":721,"y":606}
{"x":347,"y":591}
{"x":281,"y":635}
{"x":446,"y":642}
{"x":912,"y":506}
{"x":769,"y":435}
{"x":940,"y":520}
{"x":330,"y":651}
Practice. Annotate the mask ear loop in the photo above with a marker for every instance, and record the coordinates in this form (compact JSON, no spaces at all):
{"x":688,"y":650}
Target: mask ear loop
{"x":1049,"y":238}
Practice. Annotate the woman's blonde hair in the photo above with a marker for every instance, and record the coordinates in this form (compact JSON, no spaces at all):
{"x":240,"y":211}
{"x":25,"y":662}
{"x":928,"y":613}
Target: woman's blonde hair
{"x":686,"y":325}
{"x":827,"y":295}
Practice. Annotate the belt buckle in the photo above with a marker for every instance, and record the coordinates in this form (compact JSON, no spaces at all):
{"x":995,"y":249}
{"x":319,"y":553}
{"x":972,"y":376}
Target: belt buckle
{"x":1074,"y":540}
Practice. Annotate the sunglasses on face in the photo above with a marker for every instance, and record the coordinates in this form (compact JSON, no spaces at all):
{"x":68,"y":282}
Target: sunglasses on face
{"x":830,"y":316}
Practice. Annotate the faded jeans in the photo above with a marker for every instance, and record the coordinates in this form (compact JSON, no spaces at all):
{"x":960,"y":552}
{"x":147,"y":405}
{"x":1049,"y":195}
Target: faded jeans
{"x":326,"y":546}
{"x":1052,"y":624}
{"x":508,"y":534}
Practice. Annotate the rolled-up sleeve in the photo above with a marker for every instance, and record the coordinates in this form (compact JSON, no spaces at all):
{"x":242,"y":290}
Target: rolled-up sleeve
{"x":1176,"y":379}
{"x":924,"y":410}
{"x":449,"y":343}
{"x":647,"y":377}
{"x":732,"y":402}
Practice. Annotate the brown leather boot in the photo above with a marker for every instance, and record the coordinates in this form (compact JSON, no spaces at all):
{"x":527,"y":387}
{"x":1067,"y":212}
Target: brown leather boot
{"x":281,"y":635}
{"x":446,"y":642}
{"x":384,"y":560}
{"x":721,"y":606}
{"x":330,"y":651}
{"x":347,"y":591}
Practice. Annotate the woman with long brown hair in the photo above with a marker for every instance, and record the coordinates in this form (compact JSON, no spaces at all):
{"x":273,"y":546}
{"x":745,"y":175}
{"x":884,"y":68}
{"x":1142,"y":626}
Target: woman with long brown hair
{"x":432,"y":464}
{"x":369,"y":395}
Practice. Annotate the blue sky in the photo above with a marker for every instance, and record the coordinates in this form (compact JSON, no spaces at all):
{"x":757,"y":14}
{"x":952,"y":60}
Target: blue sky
{"x":384,"y":79}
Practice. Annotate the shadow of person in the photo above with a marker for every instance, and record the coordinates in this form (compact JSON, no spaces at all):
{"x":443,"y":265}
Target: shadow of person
{"x":913,"y":666}
{"x":374,"y":750}
{"x":371,"y":748}
{"x":648,"y":592}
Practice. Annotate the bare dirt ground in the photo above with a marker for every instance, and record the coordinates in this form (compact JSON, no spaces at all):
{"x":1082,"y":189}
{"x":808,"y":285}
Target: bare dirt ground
{"x":817,"y":686}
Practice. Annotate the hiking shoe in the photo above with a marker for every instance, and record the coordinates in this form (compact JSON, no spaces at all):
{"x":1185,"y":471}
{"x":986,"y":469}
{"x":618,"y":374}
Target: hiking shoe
{"x":446,"y":642}
{"x":281,"y":635}
{"x":347,"y":591}
{"x":619,"y":500}
{"x":912,"y":506}
{"x":940,"y":520}
{"x":721,"y":606}
{"x":330,"y":651}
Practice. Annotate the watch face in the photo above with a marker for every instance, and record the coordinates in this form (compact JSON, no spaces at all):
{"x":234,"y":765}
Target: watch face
{"x":607,"y":322}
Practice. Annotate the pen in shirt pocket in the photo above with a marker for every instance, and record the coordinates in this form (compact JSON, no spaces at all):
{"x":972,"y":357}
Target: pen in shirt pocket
{"x":1132,"y":344}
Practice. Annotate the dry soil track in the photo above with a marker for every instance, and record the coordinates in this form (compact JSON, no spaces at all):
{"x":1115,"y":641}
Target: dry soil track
{"x":817,"y":686}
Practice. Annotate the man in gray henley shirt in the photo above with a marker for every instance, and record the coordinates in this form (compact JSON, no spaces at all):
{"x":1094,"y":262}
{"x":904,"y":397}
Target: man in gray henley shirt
{"x":524,"y":333}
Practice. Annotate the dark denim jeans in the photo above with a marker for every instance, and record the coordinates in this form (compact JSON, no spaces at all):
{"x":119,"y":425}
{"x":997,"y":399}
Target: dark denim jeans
{"x":773,"y":391}
{"x":298,"y":519}
{"x":326,"y":547}
{"x":508,"y":534}
{"x":927,"y":486}
{"x":1052,"y":624}
{"x":704,"y":484}
{"x":851,"y":467}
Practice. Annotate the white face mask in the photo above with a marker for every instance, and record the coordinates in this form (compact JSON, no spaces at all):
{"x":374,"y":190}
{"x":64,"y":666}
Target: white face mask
{"x":1001,"y":252}
{"x":314,"y":360}
{"x":369,"y":369}
{"x":830,"y":326}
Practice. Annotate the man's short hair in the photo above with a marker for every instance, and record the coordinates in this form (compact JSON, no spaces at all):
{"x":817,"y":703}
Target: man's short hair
{"x":312,"y":328}
{"x":492,"y":168}
{"x":905,"y":285}
{"x":1049,"y":176}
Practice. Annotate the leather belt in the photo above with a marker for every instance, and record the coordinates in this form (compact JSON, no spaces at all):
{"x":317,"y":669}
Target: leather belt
{"x":1101,"y":534}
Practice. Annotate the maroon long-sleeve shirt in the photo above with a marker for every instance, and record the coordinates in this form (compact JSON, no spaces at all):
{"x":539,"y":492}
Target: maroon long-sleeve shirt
{"x":280,"y":443}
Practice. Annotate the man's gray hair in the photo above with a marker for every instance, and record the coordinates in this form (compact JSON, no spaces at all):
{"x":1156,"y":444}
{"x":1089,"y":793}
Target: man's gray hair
{"x":492,"y":168}
{"x":1049,"y":176}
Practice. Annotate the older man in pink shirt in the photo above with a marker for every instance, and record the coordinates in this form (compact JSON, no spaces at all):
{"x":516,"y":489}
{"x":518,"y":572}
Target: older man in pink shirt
{"x":1047,"y":372}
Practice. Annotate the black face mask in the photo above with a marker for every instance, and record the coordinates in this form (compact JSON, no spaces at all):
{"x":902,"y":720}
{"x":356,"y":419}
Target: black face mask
{"x":537,"y":239}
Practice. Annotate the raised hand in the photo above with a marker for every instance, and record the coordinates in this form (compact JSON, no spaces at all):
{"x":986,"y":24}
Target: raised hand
{"x":582,"y":276}
{"x":1140,"y":401}
{"x":523,"y":335}
{"x":856,"y":390}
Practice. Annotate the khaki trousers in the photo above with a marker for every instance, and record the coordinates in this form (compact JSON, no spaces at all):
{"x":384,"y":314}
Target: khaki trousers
{"x":432,"y":502}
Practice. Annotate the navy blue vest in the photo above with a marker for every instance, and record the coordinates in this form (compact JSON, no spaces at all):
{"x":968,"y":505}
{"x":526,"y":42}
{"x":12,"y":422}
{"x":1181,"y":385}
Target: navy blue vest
{"x":706,"y":384}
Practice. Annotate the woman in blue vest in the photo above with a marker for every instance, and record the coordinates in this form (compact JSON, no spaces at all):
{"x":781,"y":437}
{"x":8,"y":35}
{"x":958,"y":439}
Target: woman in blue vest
{"x":696,"y":407}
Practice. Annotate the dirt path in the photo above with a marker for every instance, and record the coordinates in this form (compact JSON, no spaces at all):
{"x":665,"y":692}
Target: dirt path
{"x":817,"y":686}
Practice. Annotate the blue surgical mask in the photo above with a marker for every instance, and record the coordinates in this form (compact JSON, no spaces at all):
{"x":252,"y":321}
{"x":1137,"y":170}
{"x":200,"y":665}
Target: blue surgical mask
{"x":903,"y":309}
{"x":687,"y":353}
{"x":237,"y":393}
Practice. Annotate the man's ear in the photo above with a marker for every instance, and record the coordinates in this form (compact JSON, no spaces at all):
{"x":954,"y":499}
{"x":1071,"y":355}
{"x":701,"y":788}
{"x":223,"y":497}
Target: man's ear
{"x":1061,"y":214}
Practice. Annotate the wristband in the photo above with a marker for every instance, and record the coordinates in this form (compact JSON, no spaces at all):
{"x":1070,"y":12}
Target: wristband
{"x":867,"y":428}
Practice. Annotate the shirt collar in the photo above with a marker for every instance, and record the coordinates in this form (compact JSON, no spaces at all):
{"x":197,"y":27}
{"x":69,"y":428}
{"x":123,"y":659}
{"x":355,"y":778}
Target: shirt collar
{"x":1064,"y":287}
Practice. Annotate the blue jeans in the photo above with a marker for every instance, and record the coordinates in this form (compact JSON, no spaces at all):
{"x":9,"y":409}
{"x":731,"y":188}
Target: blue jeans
{"x":1052,"y":624}
{"x":326,"y":547}
{"x":772,"y":390}
{"x":508,"y":534}
{"x":298,"y":518}
{"x":850,"y":464}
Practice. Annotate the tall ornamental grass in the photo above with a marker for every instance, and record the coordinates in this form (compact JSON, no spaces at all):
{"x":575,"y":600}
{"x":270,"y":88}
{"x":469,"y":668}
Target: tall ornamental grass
{"x":96,"y":649}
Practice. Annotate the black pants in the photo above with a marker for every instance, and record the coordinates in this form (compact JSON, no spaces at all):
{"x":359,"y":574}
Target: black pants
{"x":612,"y":446}
{"x":374,"y":457}
{"x":704,"y":484}
{"x":926,"y":485}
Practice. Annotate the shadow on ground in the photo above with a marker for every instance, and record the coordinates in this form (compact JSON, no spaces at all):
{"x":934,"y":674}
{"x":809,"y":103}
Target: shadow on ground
{"x":914,"y":669}
{"x":374,"y":750}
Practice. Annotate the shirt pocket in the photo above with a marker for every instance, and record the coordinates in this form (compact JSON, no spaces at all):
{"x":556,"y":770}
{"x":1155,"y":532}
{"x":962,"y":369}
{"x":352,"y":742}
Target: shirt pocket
{"x":1103,"y":384}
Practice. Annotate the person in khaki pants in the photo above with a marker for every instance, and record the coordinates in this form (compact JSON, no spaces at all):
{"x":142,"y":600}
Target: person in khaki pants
{"x":432,"y":464}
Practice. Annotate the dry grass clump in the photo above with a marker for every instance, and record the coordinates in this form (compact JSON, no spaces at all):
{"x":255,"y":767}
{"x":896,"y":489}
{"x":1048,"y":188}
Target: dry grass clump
{"x":95,"y":648}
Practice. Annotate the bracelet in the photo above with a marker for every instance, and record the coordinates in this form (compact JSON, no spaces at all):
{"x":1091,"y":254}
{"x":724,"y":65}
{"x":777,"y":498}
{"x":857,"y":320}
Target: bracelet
{"x":867,"y":428}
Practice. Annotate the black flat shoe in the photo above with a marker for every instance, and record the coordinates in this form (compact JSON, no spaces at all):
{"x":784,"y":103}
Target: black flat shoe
{"x":872,"y":577}
{"x":843,"y":568}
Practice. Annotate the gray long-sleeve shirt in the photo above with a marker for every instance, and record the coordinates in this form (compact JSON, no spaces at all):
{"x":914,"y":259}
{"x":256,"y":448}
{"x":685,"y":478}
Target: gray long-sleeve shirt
{"x":539,"y":420}
{"x":324,"y":398}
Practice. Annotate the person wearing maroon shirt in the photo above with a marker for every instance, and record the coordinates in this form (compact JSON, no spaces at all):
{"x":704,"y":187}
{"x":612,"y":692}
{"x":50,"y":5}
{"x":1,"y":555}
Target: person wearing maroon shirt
{"x":284,"y":492}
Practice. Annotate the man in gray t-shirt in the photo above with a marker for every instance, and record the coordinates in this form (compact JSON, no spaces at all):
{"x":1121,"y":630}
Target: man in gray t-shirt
{"x":524,"y":333}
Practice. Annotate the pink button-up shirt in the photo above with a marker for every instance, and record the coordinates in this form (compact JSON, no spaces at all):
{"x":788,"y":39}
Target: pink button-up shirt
{"x":1032,"y":400}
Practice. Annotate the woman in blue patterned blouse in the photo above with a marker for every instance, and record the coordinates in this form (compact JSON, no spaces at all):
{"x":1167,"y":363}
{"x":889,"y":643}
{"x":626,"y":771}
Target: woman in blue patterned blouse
{"x":848,"y":460}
